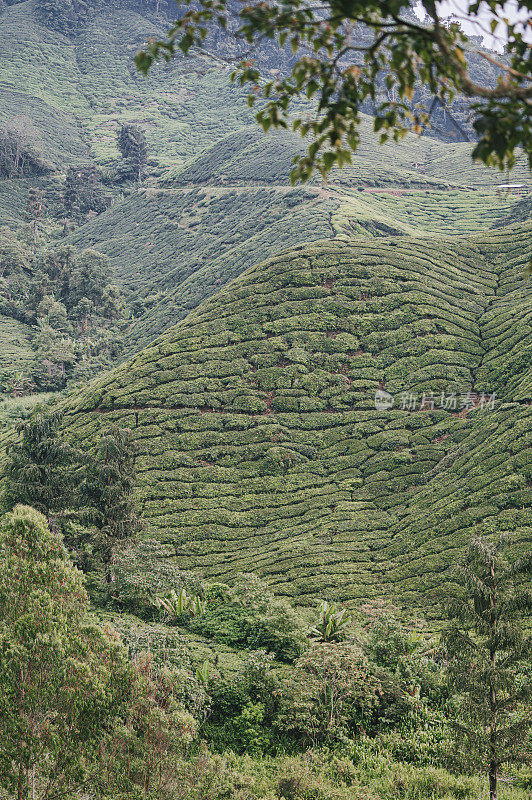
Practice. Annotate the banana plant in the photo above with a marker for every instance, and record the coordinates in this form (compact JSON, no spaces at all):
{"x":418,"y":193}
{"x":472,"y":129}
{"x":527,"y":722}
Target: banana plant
{"x":177,"y":604}
{"x":202,"y":675}
{"x":197,"y":606}
{"x":331,"y":625}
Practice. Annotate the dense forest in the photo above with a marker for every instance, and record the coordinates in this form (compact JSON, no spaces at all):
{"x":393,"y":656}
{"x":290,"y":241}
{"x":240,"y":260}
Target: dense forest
{"x":265,"y":447}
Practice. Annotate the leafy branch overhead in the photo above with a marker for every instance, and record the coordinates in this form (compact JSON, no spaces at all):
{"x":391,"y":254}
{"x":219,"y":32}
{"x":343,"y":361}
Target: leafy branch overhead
{"x":351,"y":54}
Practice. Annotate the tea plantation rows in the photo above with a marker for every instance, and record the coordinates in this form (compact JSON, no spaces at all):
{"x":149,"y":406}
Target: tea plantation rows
{"x":248,"y":155}
{"x":259,"y":443}
{"x":15,"y":347}
{"x":450,"y":213}
{"x":175,"y":248}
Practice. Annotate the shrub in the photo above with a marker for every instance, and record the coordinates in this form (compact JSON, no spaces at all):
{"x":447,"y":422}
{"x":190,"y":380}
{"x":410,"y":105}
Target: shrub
{"x":330,"y":692}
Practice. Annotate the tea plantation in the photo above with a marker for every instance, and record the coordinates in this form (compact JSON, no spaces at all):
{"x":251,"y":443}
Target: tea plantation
{"x":173,"y":249}
{"x":15,"y":347}
{"x":75,"y":90}
{"x":280,"y":313}
{"x":259,"y":443}
{"x":415,"y":162}
{"x":232,"y":208}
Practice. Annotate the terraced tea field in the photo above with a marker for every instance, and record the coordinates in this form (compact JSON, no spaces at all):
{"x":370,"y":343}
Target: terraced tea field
{"x":248,"y":155}
{"x":259,"y":443}
{"x":15,"y":348}
{"x":421,"y":213}
{"x":233,"y":207}
{"x":175,"y":248}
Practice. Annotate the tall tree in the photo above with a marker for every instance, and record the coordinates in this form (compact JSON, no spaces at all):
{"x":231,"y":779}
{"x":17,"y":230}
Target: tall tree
{"x":134,"y":150}
{"x":349,"y":54}
{"x":486,"y":645}
{"x":35,"y":211}
{"x":40,"y":466}
{"x":107,"y":494}
{"x":88,"y":279}
{"x":62,"y":679}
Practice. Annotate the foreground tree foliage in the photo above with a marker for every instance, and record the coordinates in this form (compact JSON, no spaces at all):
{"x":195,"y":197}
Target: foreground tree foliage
{"x":487,"y":646}
{"x":349,"y":52}
{"x":330,"y":692}
{"x":63,"y":680}
{"x":79,"y":719}
{"x":88,"y":498}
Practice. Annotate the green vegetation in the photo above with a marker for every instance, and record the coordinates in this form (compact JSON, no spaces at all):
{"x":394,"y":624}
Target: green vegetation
{"x":86,"y":85}
{"x":61,"y":318}
{"x":259,"y":446}
{"x":87,"y":498}
{"x":368,"y":716}
{"x":63,"y":678}
{"x":170,"y":250}
{"x":351,"y":55}
{"x":39,"y":467}
{"x":248,"y":155}
{"x":486,"y":645}
{"x":17,"y":352}
{"x":225,"y":559}
{"x":230,"y":209}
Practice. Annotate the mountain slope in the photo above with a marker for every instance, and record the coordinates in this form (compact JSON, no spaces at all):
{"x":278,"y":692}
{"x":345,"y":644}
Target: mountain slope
{"x":173,"y":249}
{"x":232,"y":207}
{"x":259,"y":443}
{"x":87,"y":80}
{"x":414,"y":162}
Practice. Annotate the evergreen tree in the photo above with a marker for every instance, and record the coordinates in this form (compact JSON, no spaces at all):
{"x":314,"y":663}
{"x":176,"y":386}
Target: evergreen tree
{"x":35,"y":211}
{"x":132,"y":146}
{"x":107,"y":494}
{"x":486,"y":646}
{"x":89,"y":499}
{"x":62,"y":679}
{"x":40,"y":467}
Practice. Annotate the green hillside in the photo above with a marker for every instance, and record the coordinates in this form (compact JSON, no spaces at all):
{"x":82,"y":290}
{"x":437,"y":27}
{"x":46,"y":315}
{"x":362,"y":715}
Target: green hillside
{"x":415,"y":162}
{"x":173,"y":249}
{"x":259,"y":443}
{"x":74,"y":91}
{"x":15,"y":347}
{"x":232,"y":208}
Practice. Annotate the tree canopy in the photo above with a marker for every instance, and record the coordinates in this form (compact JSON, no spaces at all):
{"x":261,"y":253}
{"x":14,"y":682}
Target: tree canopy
{"x":349,"y":54}
{"x":63,"y":679}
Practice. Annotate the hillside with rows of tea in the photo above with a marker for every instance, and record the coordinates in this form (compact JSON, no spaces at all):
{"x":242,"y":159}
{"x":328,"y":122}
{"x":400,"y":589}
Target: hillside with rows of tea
{"x":265,"y":317}
{"x":256,"y":438}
